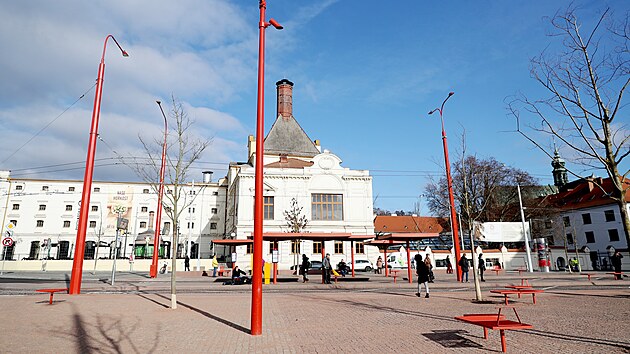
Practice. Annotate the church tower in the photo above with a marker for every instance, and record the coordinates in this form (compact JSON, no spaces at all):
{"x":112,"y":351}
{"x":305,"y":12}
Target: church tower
{"x":559,"y":171}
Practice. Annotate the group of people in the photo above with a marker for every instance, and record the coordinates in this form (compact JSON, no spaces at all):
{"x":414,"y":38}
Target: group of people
{"x":424,"y":270}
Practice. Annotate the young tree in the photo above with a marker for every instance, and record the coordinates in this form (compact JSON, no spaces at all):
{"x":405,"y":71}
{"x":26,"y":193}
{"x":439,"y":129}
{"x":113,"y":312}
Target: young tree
{"x":585,"y":81}
{"x":183,"y":149}
{"x":296,"y":222}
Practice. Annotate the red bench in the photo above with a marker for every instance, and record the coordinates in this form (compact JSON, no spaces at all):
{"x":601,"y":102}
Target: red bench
{"x":615,"y":274}
{"x":519,"y":292}
{"x":496,"y":270}
{"x":495,"y":321}
{"x":51,"y":292}
{"x":588,"y":275}
{"x":393,"y":274}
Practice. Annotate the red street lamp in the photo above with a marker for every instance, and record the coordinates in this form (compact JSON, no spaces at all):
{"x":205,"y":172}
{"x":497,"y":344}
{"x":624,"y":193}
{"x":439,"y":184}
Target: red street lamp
{"x":450,"y":190}
{"x":77,"y":264}
{"x":158,"y":221}
{"x":256,"y":317}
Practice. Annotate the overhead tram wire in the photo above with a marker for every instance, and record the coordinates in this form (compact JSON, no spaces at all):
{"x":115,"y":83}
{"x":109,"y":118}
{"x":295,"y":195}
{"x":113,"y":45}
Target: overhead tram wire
{"x":47,"y":125}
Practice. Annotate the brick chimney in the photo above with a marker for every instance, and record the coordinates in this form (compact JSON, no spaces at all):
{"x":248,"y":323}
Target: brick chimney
{"x":285,"y":98}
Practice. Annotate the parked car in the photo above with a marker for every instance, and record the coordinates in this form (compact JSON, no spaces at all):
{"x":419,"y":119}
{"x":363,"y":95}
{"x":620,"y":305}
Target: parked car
{"x":315,"y":265}
{"x":362,"y":265}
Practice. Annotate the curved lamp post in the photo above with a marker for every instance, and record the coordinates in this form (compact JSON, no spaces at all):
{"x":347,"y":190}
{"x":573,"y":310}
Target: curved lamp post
{"x":158,"y":216}
{"x":77,"y":264}
{"x":450,"y":190}
{"x":256,"y":316}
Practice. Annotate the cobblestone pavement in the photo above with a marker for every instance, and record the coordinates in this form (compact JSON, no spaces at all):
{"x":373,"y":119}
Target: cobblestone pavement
{"x":134,"y":316}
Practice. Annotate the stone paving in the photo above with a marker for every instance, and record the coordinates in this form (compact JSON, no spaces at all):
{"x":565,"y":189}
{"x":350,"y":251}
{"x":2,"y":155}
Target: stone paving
{"x":134,"y":316}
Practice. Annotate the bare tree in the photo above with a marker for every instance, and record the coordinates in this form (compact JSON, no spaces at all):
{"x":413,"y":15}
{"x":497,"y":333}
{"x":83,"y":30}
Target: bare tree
{"x":585,"y":83}
{"x":183,"y":149}
{"x":296,"y":222}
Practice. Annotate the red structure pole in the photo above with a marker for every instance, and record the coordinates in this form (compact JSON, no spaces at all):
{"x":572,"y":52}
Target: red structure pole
{"x":256,"y":315}
{"x":352,"y":256}
{"x":158,"y":217}
{"x":409,"y":264}
{"x":77,"y":263}
{"x":450,"y":191}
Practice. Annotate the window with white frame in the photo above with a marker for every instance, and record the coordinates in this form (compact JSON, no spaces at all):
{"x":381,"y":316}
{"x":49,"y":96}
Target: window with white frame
{"x":326,"y":206}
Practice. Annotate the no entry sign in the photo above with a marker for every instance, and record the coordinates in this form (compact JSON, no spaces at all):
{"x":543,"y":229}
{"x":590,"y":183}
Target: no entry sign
{"x":7,"y":242}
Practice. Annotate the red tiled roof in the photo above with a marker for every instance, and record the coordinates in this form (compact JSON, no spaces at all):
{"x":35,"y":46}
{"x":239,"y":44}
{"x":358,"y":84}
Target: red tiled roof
{"x":409,"y":223}
{"x":290,"y":163}
{"x":585,"y":193}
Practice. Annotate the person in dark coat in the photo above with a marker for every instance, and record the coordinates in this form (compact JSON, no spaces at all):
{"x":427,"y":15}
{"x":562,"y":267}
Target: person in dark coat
{"x":464,"y":266}
{"x":449,"y":266}
{"x":482,"y":266}
{"x":187,"y":263}
{"x":326,"y":268}
{"x":304,"y":267}
{"x":616,"y":263}
{"x":423,"y":276}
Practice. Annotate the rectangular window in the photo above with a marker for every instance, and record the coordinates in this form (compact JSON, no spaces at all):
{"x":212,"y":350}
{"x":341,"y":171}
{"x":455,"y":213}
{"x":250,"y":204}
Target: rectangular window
{"x":569,"y":239}
{"x":548,"y":224}
{"x":566,"y":220}
{"x":191,"y":225}
{"x":250,"y":248}
{"x":327,"y":207}
{"x":92,"y":224}
{"x":144,"y":209}
{"x":168,"y":191}
{"x":338,"y":247}
{"x":214,"y":210}
{"x":42,"y":207}
{"x":167,"y":227}
{"x":295,"y":247}
{"x":94,"y":207}
{"x":70,"y":189}
{"x":213,"y":226}
{"x":68,"y":207}
{"x":143,"y":224}
{"x":613,"y":235}
{"x":18,"y":188}
{"x":66,"y":223}
{"x":359,"y":247}
{"x":215,"y":193}
{"x":610,"y":215}
{"x":40,"y":223}
{"x":45,"y":188}
{"x":590,"y":236}
{"x":267,"y":208}
{"x":16,"y":206}
{"x":317,"y":247}
{"x":191,"y":210}
{"x":97,"y":189}
{"x":586,"y":218}
{"x":145,"y":191}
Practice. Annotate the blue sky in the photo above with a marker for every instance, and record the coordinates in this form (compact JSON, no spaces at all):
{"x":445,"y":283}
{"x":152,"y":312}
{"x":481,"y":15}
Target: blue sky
{"x":366,"y":73}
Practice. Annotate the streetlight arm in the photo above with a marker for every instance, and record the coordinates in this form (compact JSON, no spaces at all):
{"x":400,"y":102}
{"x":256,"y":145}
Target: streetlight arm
{"x":124,"y":53}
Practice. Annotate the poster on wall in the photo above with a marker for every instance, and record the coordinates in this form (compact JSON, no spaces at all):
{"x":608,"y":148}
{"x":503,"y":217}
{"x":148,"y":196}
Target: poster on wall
{"x":119,"y":203}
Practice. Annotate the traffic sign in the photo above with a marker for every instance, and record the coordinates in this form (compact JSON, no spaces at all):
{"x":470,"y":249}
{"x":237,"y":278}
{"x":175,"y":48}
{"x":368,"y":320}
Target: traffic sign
{"x":10,"y":226}
{"x":9,"y":233}
{"x":7,"y":242}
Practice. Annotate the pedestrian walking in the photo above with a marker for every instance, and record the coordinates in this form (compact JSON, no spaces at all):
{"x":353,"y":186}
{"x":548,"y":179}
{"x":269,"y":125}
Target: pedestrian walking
{"x":326,"y":269}
{"x":616,"y":263}
{"x":427,"y":262}
{"x":215,"y":266}
{"x":379,"y":264}
{"x":463,"y":264}
{"x":423,"y":276}
{"x":187,"y":263}
{"x":482,"y":266}
{"x":304,"y":267}
{"x":449,"y":266}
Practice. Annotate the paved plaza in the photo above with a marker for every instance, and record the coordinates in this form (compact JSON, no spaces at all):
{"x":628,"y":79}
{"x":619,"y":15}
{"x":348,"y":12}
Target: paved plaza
{"x":573,"y":315}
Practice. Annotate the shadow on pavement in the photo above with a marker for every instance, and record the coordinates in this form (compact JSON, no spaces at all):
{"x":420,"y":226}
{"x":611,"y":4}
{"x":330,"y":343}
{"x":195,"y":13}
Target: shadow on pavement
{"x":451,"y":339}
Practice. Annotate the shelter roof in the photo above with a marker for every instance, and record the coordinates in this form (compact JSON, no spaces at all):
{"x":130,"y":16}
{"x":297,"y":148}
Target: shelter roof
{"x":410,"y":224}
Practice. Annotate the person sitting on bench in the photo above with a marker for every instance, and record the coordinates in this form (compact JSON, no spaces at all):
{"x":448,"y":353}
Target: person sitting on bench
{"x":239,"y":276}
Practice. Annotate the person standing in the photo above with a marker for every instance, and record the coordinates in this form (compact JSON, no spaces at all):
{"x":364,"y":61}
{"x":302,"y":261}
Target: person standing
{"x":482,"y":266}
{"x":379,"y":264}
{"x":304,"y":267}
{"x":449,"y":266}
{"x":423,"y":276}
{"x":463,"y":264}
{"x":616,"y":263}
{"x":427,"y":262}
{"x":187,"y":263}
{"x":215,"y":266}
{"x":326,"y":268}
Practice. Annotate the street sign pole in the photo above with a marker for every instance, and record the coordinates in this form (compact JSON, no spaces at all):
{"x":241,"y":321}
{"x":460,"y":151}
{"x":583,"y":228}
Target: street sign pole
{"x":4,"y":257}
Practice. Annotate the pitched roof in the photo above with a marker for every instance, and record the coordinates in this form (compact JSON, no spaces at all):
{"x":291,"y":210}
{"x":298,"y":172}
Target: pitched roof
{"x":584,"y":193}
{"x":289,"y":163}
{"x":409,"y":223}
{"x":287,"y":137}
